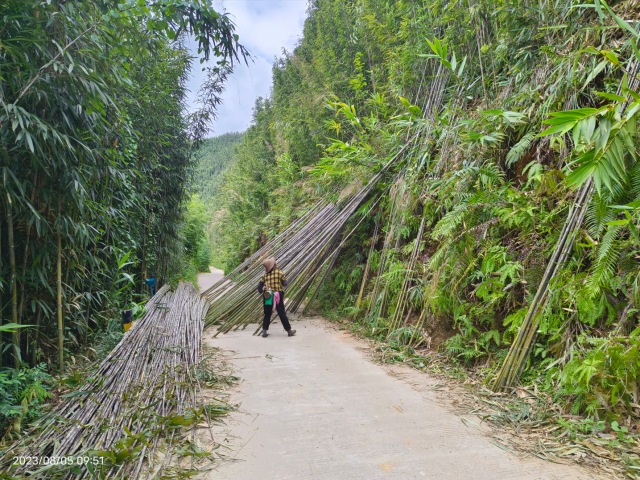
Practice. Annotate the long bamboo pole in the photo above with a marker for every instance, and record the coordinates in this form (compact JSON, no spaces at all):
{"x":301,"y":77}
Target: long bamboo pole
{"x":365,"y":276}
{"x":25,"y":257}
{"x":418,"y":326}
{"x":36,"y":338}
{"x":13,"y":285}
{"x":404,"y":293}
{"x":59,"y":286}
{"x":378,"y":295}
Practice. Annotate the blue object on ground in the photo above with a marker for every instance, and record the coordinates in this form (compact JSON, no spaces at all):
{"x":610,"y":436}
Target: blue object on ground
{"x":152,"y":283}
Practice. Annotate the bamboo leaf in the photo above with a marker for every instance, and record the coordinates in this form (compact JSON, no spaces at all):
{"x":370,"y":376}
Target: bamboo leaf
{"x":602,"y":134}
{"x":611,"y":96}
{"x":621,"y":23}
{"x":559,"y":129}
{"x":617,"y":222}
{"x":581,"y":174}
{"x":12,"y":327}
{"x":594,"y":73}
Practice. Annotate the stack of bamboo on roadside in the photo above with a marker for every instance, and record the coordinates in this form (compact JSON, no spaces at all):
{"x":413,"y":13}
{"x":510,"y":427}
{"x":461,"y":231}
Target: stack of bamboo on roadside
{"x":143,"y":391}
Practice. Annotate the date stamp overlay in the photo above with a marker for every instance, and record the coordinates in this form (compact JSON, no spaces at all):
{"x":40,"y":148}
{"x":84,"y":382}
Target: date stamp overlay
{"x":69,"y":460}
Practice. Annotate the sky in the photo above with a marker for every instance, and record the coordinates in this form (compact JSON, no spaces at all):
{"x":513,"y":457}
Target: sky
{"x":265,"y":27}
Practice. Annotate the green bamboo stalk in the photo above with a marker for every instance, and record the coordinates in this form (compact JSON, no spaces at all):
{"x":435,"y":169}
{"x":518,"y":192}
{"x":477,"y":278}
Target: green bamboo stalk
{"x":365,"y":277}
{"x":59,"y":285}
{"x":13,"y":284}
{"x":25,"y":257}
{"x":36,"y":338}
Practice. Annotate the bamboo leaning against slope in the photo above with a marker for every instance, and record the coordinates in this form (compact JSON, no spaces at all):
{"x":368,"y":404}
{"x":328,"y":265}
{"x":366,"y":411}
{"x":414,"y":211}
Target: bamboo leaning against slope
{"x":522,"y":345}
{"x":309,"y":247}
{"x":306,"y":251}
{"x":301,"y":251}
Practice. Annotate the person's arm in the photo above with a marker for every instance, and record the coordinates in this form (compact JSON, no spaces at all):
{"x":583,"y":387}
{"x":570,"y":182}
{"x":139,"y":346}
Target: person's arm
{"x":284,"y":281}
{"x":260,"y":287}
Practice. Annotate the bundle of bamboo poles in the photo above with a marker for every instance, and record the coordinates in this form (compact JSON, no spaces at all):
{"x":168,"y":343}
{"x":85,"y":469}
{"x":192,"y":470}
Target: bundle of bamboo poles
{"x":136,"y":394}
{"x":395,"y":221}
{"x":403,"y":299}
{"x":308,"y":248}
{"x":305,"y":251}
{"x":520,"y":349}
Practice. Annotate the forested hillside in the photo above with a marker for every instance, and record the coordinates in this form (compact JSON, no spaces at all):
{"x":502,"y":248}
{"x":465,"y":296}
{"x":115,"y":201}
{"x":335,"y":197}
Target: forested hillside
{"x":213,"y":158}
{"x":96,"y":158}
{"x":506,"y":227}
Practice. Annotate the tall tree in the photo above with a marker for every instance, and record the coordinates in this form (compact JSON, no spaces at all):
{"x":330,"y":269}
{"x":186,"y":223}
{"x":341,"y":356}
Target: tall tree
{"x":93,"y":122}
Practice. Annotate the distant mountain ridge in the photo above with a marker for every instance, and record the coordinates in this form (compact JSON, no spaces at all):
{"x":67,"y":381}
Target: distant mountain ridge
{"x":214,"y":158}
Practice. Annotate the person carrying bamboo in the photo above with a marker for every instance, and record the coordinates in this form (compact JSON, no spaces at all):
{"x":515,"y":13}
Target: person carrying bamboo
{"x":271,"y":287}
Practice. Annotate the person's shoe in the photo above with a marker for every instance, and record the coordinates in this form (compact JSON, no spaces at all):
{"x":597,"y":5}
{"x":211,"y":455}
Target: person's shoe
{"x":291,"y":333}
{"x":265,"y":334}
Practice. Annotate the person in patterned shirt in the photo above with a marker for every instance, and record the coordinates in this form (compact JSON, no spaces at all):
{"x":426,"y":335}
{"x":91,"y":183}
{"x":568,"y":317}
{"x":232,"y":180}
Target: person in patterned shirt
{"x":273,"y":282}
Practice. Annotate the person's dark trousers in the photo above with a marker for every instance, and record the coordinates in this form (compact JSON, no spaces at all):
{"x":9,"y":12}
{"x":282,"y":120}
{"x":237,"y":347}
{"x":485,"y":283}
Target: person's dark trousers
{"x":268,"y":310}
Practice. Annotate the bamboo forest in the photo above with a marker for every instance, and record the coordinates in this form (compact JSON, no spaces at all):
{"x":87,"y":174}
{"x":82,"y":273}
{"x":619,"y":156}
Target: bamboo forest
{"x":452,"y":185}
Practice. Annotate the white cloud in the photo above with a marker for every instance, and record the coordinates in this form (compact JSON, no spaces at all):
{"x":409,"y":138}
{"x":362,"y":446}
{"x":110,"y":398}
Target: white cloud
{"x":265,"y":27}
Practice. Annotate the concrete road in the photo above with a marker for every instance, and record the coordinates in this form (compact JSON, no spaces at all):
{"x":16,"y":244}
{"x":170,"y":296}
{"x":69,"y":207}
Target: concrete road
{"x":205,"y":280}
{"x":314,"y":407}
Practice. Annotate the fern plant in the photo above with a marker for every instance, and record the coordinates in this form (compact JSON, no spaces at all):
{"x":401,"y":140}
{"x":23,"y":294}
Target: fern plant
{"x":606,"y":373}
{"x":519,"y":149}
{"x":607,"y":255}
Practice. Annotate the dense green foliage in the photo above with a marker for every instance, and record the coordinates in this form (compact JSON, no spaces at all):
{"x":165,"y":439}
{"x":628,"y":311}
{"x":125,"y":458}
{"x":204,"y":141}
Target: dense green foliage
{"x":22,"y":392}
{"x":462,"y":91}
{"x":95,"y":162}
{"x":196,"y":242}
{"x":214,"y":157}
{"x":250,"y":205}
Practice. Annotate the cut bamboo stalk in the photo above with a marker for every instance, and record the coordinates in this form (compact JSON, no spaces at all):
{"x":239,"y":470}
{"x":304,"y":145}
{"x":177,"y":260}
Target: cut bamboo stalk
{"x":13,"y":285}
{"x":418,"y":326}
{"x":36,"y":338}
{"x":59,"y":287}
{"x":365,"y":276}
{"x":404,"y":293}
